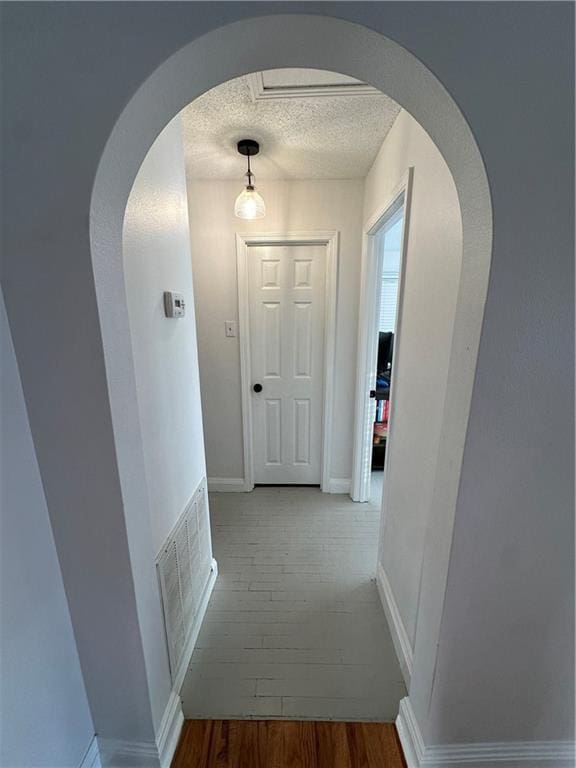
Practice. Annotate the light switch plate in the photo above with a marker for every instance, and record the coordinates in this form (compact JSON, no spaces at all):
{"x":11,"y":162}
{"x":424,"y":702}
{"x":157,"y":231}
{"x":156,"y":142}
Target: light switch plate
{"x":230,"y":328}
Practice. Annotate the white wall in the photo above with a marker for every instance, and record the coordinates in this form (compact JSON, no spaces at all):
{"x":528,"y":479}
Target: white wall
{"x":290,"y":206}
{"x":44,"y":714}
{"x":157,"y":258}
{"x":510,"y":480}
{"x":422,"y":350}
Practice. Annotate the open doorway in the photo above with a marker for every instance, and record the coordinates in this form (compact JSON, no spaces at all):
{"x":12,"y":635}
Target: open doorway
{"x":285,"y":42}
{"x":380,"y":313}
{"x":257,"y":351}
{"x":268,"y":356}
{"x":276,"y":306}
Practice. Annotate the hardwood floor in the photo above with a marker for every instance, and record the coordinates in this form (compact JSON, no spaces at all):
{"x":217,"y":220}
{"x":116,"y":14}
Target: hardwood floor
{"x":287,"y":744}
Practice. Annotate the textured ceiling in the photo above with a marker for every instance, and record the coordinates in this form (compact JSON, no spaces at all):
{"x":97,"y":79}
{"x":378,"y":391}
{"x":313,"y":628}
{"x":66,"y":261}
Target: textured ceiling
{"x":303,"y":136}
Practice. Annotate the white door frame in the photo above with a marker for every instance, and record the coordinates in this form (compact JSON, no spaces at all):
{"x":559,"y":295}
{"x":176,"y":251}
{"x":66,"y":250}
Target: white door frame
{"x":243,"y":242}
{"x":368,"y":337}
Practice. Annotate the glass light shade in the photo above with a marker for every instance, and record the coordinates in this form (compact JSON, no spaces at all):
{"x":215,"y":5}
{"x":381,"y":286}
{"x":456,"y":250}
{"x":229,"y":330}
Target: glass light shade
{"x":249,"y":204}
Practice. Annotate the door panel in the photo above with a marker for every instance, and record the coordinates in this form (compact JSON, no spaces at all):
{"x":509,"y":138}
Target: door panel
{"x":272,"y":338}
{"x":287,"y":306}
{"x":273,"y":427}
{"x":302,"y":339}
{"x":301,"y":431}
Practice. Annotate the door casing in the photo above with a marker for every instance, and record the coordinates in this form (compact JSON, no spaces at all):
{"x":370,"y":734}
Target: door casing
{"x":243,"y":243}
{"x":367,"y":335}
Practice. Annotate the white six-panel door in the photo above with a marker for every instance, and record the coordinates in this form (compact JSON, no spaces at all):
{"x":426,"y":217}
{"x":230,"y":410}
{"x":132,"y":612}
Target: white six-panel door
{"x":286,"y":292}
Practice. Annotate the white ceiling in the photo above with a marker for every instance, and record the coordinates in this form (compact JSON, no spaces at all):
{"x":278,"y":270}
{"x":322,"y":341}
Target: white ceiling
{"x":310,"y":125}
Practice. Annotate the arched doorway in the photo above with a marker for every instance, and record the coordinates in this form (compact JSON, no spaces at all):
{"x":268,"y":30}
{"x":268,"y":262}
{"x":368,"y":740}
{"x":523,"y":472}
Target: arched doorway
{"x":321,"y":43}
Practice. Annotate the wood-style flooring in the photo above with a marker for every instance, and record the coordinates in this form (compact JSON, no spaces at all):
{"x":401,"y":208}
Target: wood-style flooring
{"x":295,"y":628}
{"x":287,"y":744}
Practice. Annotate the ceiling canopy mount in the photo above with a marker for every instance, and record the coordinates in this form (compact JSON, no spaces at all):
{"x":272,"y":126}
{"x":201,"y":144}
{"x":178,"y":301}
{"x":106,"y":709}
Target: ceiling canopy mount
{"x":248,"y":147}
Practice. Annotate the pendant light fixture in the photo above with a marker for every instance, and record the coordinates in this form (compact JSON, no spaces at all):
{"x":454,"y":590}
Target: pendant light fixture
{"x":249,"y":203}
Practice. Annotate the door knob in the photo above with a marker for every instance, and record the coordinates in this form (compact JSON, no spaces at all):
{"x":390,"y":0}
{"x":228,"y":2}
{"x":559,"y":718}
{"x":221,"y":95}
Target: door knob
{"x":373,"y":393}
{"x":257,"y":387}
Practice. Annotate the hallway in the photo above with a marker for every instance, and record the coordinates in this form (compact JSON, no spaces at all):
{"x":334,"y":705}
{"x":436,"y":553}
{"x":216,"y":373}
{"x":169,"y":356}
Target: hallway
{"x":294,"y":628}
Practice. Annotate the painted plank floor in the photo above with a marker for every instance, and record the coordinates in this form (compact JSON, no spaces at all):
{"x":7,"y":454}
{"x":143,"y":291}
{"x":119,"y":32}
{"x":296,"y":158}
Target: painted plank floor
{"x":287,"y":744}
{"x":294,"y":628}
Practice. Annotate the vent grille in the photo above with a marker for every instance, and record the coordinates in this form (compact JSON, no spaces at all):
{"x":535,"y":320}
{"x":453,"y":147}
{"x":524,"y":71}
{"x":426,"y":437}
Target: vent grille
{"x":183,"y":570}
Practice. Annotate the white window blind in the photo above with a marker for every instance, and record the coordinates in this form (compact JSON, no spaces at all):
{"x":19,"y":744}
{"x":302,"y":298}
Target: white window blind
{"x":390,"y":244}
{"x":388,"y":301}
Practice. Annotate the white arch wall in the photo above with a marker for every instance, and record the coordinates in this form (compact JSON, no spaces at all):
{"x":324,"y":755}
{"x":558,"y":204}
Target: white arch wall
{"x":67,"y":74}
{"x":431,"y":279}
{"x":294,"y":41}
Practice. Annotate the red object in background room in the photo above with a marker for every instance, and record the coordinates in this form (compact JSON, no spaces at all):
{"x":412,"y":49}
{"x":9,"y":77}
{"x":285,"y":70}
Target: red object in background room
{"x":385,"y":412}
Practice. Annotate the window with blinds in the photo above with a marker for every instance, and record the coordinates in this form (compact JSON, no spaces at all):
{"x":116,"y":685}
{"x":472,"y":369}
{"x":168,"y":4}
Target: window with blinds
{"x":388,"y":302}
{"x":390,"y":242}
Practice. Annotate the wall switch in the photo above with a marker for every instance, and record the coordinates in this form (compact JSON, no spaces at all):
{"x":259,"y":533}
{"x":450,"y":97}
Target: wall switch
{"x":230,"y":328}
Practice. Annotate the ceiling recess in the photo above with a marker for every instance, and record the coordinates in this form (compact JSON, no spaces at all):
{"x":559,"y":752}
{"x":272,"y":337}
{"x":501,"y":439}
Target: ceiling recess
{"x":302,"y":83}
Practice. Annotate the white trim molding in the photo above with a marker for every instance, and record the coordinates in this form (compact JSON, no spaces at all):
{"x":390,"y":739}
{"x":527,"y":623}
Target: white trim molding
{"x":409,"y":735}
{"x":92,"y":757}
{"x":243,"y":241}
{"x":124,"y":754}
{"x":338,"y":485}
{"x":227,"y":485}
{"x":115,"y":753}
{"x":368,"y":336}
{"x":259,"y":91}
{"x":402,"y":644}
{"x":507,"y":754}
{"x":169,"y":731}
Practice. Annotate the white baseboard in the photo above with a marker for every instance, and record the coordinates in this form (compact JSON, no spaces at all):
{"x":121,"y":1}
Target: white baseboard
{"x":169,"y":731}
{"x":400,"y":637}
{"x":127,"y":754}
{"x":195,"y":631}
{"x":227,"y":485}
{"x":518,"y":754}
{"x":173,"y":719}
{"x":113,"y":753}
{"x":409,"y":735}
{"x":92,"y":757}
{"x":339,"y":485}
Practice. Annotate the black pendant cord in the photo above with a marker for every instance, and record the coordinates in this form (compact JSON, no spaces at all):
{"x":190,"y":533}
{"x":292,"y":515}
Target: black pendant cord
{"x":248,"y":147}
{"x":249,"y":172}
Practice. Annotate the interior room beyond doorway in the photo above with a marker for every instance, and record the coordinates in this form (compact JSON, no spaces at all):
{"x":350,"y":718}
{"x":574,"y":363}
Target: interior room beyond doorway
{"x":387,"y":250}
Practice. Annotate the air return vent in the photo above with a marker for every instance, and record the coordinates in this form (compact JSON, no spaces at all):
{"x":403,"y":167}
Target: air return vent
{"x":185,"y":567}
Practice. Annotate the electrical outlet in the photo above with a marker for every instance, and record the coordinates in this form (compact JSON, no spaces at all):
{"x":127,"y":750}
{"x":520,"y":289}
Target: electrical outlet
{"x":230,"y":328}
